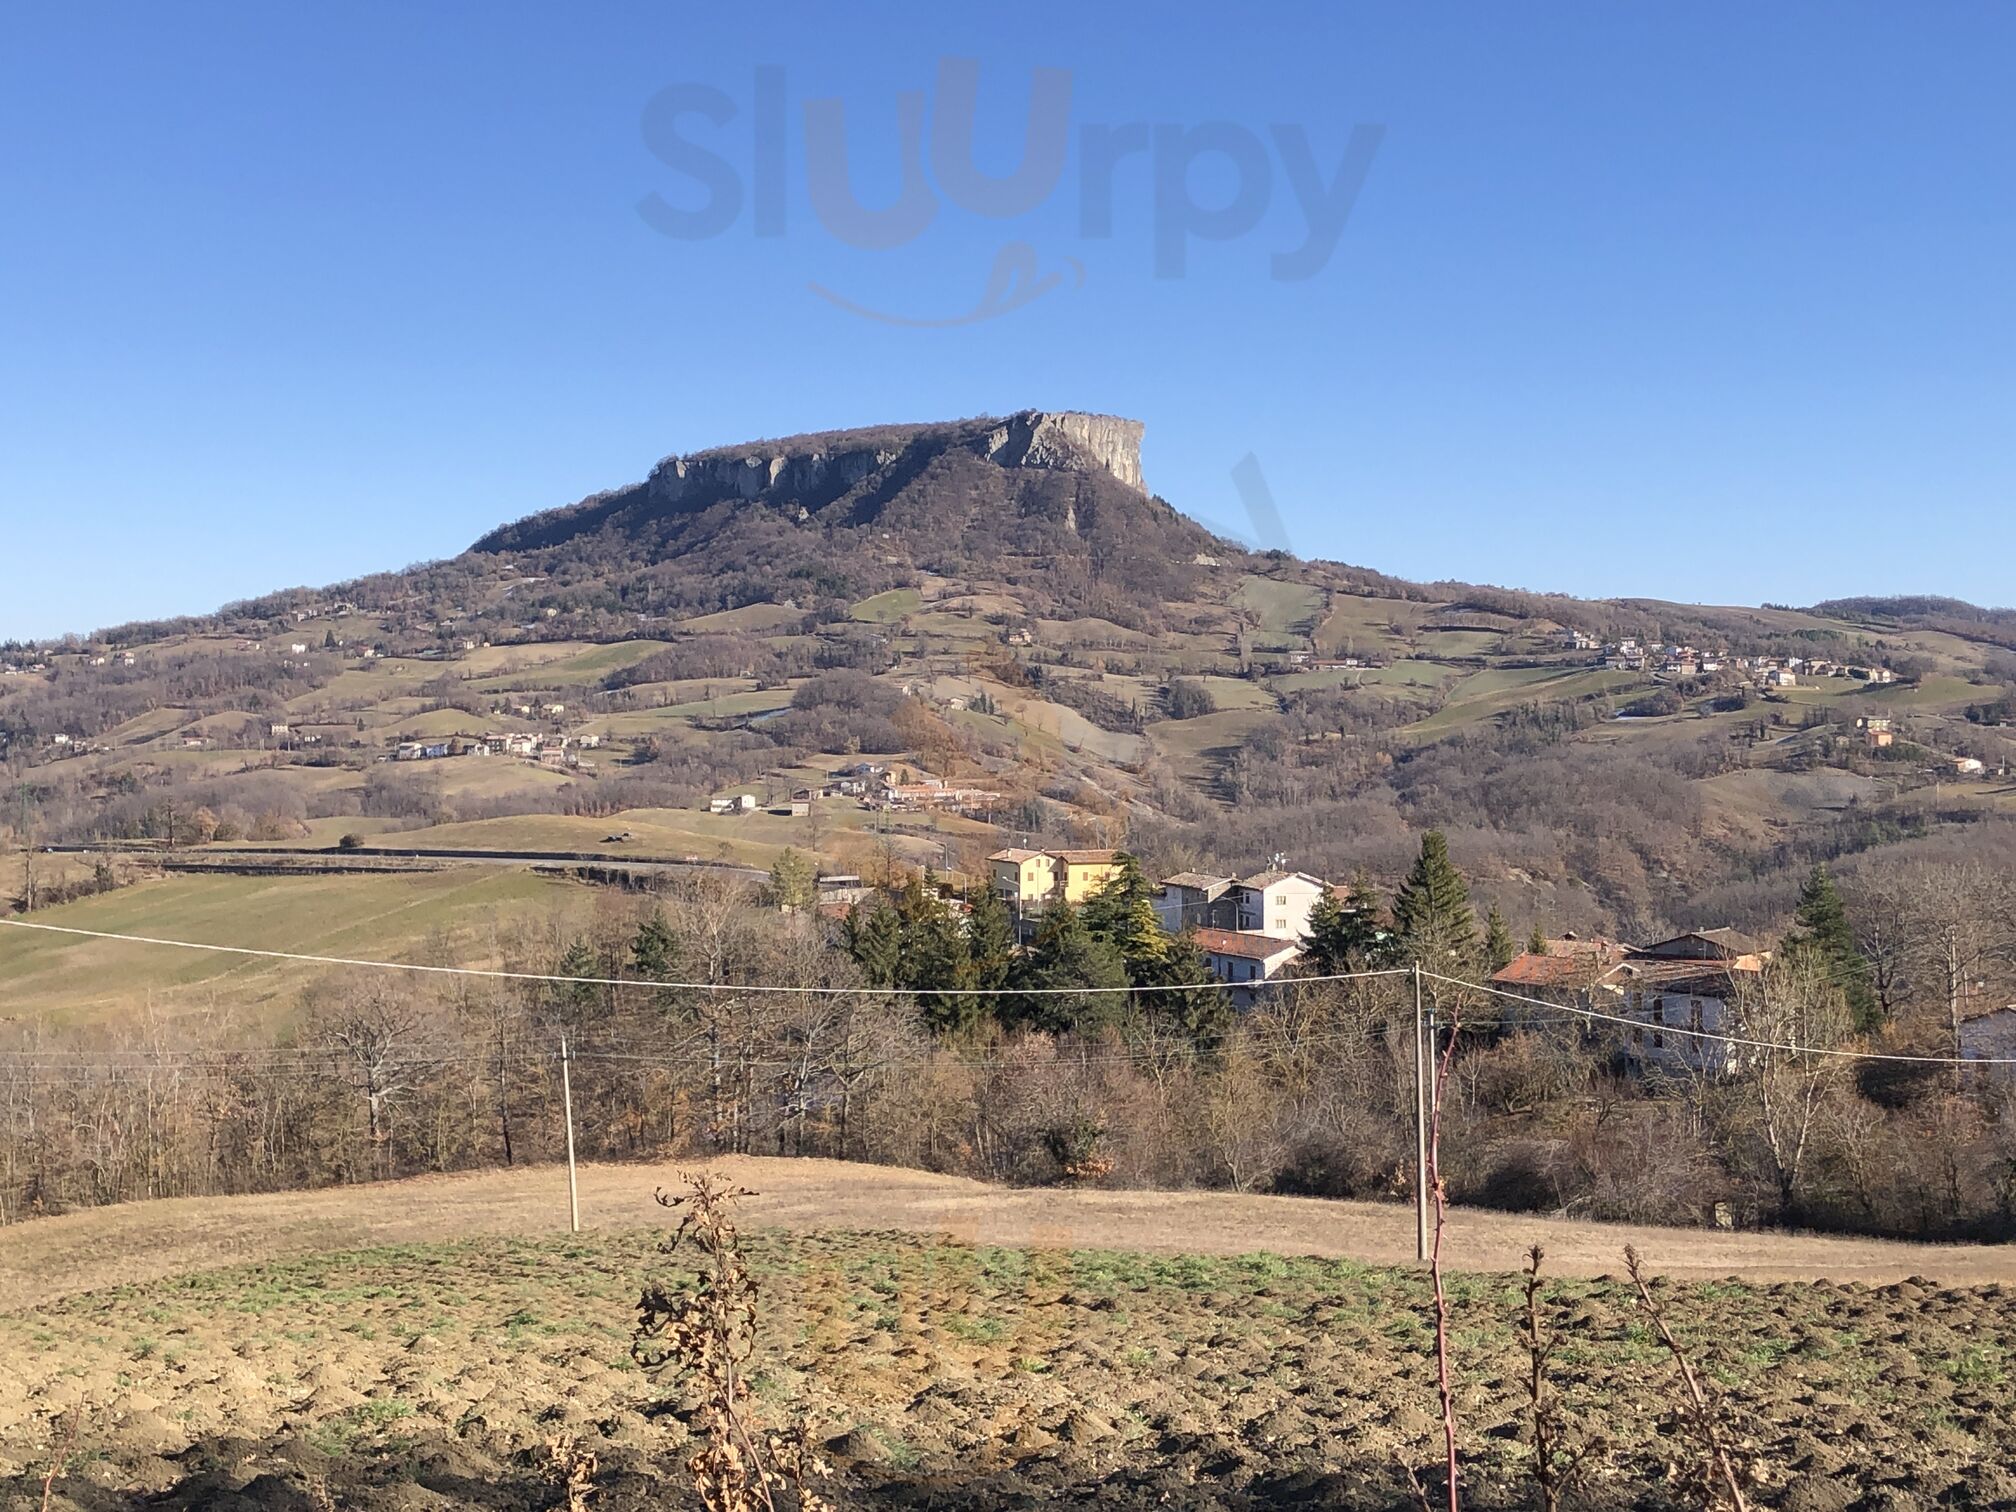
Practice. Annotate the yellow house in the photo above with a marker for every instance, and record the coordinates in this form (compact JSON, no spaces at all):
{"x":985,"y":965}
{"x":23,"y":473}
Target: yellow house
{"x":1028,"y":879}
{"x":1025,"y":879}
{"x":1084,"y":872}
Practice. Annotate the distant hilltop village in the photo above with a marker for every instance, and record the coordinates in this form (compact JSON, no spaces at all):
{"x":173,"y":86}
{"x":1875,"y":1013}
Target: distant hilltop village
{"x":1628,"y":655}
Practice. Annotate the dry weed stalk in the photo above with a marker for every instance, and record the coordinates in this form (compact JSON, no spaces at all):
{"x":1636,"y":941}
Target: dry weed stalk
{"x":59,"y":1456}
{"x":1557,"y":1468}
{"x":572,"y":1468}
{"x":1717,"y":1478}
{"x":706,"y":1334}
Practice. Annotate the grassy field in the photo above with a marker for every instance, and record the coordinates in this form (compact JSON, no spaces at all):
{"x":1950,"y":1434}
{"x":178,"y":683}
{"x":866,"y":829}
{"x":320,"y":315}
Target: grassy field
{"x":388,"y":917}
{"x":1197,"y":747}
{"x":887,"y":608}
{"x":943,"y":1370}
{"x":1486,"y":694}
{"x":1283,"y":608}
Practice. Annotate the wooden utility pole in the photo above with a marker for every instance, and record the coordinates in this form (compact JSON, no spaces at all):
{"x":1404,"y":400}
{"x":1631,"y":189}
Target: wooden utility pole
{"x":27,"y":857}
{"x":567,"y":1104}
{"x":1420,"y":1122}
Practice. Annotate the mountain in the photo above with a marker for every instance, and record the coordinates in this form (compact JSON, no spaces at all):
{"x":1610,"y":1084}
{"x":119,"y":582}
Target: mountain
{"x":1051,"y":500}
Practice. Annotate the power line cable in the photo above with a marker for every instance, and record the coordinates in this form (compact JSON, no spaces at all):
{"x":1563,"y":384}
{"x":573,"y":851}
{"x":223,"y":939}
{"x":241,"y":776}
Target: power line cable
{"x":727,"y":987}
{"x":1595,"y":1016}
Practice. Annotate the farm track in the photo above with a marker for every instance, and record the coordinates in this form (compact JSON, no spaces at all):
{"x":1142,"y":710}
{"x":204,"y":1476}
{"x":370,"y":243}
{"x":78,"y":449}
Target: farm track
{"x":46,"y":1259}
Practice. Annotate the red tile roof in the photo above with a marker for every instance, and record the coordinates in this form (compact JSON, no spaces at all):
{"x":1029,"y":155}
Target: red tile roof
{"x":1567,"y":963}
{"x":1251,"y":947}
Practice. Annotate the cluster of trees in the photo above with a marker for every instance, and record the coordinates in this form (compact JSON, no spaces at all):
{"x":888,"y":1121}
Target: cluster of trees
{"x":1074,"y":978}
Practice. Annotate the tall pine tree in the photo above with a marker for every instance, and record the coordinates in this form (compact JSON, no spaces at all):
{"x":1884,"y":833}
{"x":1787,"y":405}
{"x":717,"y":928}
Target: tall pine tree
{"x":1824,"y":933}
{"x":654,"y":956}
{"x":1499,"y":948}
{"x":1204,"y":1014}
{"x":873,"y":935}
{"x":990,"y":940}
{"x":1432,"y":917}
{"x":1347,"y":934}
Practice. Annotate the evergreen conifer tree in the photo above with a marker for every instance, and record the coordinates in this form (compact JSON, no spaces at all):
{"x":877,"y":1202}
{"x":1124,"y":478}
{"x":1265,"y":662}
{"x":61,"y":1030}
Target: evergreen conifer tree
{"x":1346,"y":934}
{"x":1432,"y":917}
{"x":1499,"y":948}
{"x":1204,"y":1014}
{"x":654,"y":956}
{"x":575,"y":999}
{"x":1824,"y":933}
{"x":1122,"y":912}
{"x":990,"y":939}
{"x":873,"y":936}
{"x":1067,"y":954}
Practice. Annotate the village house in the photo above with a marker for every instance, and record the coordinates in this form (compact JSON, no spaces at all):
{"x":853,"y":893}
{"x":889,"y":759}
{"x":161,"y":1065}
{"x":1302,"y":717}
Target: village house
{"x":1028,"y":881}
{"x":1278,"y":903}
{"x":1197,"y":900}
{"x":934,"y":792}
{"x":1680,"y":993}
{"x":1571,"y":971}
{"x":1969,"y":766}
{"x":735,"y":803}
{"x":1081,"y":873}
{"x":1024,"y":879}
{"x":1242,"y":958}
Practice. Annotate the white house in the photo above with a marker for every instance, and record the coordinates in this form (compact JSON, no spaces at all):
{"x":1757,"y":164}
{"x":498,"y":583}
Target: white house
{"x":1244,"y":959}
{"x":1278,"y":903}
{"x":738,"y":803}
{"x":1683,"y":991}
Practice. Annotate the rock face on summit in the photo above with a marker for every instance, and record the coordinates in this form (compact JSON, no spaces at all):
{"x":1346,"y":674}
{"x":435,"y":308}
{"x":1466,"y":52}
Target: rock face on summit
{"x":1066,"y":440}
{"x":1049,"y":498}
{"x":824,"y":466}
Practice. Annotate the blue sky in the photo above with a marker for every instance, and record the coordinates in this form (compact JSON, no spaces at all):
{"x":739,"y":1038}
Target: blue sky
{"x":1707,"y":302}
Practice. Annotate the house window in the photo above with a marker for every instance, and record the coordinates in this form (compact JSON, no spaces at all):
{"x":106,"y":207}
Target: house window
{"x":1280,"y":923}
{"x":1280,"y":900}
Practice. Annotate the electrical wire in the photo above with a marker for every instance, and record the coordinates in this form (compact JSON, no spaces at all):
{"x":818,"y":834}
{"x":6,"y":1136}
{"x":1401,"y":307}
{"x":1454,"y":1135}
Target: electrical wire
{"x":1594,"y":1016}
{"x":729,"y":987}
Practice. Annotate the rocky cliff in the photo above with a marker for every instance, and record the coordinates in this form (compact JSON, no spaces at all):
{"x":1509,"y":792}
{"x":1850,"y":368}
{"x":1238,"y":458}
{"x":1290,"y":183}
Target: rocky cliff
{"x":810,"y":471}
